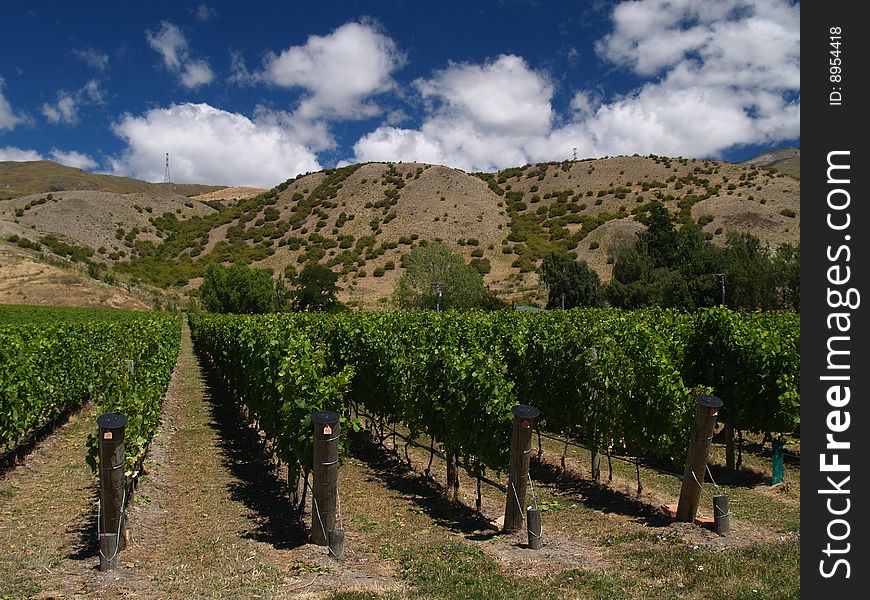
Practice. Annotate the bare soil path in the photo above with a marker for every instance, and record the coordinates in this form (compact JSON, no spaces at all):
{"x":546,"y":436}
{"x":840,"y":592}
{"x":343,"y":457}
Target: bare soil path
{"x":47,"y":513}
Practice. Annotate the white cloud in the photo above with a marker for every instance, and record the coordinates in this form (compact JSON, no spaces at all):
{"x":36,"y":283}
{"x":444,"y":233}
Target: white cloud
{"x":95,"y":59}
{"x":480,"y":118}
{"x":18,"y":154}
{"x":195,"y":74}
{"x":8,"y":118}
{"x":74,"y":159}
{"x":209,"y":145}
{"x":708,"y":41}
{"x":501,"y":97}
{"x":715,"y":74}
{"x":204,"y":12}
{"x":170,"y":43}
{"x":339,"y":72}
{"x":66,"y":109}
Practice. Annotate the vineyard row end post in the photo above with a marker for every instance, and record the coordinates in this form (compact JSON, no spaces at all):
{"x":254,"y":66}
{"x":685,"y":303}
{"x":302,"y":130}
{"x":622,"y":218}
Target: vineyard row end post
{"x":706,"y":411}
{"x":324,"y":475}
{"x":112,"y":488}
{"x":518,"y":475}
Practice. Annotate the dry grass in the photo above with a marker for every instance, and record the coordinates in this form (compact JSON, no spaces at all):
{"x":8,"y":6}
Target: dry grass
{"x":26,"y":280}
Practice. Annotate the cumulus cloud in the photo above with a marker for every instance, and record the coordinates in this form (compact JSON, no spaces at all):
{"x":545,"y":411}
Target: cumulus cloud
{"x":99,"y":61}
{"x":503,"y":97}
{"x":18,"y":154}
{"x":209,"y":145}
{"x":73,"y":158}
{"x":480,"y":117}
{"x":170,"y":43}
{"x":66,"y":109}
{"x":338,"y":72}
{"x":8,"y":118}
{"x":714,"y":74}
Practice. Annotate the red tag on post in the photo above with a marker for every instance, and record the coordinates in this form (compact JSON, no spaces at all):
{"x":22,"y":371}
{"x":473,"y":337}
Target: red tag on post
{"x":525,"y":423}
{"x":107,"y":435}
{"x":327,"y":430}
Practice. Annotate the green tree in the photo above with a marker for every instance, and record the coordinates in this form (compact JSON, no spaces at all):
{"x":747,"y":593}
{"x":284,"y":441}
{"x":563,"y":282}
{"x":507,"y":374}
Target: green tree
{"x":569,"y":282}
{"x":749,"y":276}
{"x":315,"y":289}
{"x":238,"y":289}
{"x":660,"y":240}
{"x":462,"y":284}
{"x":787,"y":275}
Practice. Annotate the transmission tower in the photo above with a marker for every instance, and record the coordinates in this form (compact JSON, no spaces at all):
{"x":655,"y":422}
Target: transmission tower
{"x":575,"y":153}
{"x":167,"y":178}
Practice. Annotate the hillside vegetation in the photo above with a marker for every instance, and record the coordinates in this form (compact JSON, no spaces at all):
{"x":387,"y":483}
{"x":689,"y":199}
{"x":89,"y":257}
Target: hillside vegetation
{"x":360,"y":220}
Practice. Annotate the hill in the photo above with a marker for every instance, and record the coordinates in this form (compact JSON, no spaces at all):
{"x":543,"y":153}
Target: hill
{"x":42,"y":176}
{"x":361,"y":219}
{"x":785,"y":160}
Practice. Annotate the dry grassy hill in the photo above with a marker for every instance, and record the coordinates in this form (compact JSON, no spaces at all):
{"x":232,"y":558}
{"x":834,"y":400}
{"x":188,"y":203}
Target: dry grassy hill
{"x":42,"y":176}
{"x":361,"y":219}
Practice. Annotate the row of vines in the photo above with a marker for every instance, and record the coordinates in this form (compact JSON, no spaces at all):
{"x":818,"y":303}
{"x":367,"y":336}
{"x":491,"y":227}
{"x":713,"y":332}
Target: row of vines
{"x":55,"y":362}
{"x":620,"y":380}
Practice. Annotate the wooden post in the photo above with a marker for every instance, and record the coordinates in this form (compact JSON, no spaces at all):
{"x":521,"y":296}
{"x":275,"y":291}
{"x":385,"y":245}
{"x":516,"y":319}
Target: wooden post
{"x":112,"y":488}
{"x":325,"y":475}
{"x":521,"y":447}
{"x":696,"y":462}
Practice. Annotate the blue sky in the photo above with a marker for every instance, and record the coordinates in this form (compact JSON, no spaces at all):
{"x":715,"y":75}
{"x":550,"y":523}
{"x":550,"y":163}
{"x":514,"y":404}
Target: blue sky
{"x":252,"y":93}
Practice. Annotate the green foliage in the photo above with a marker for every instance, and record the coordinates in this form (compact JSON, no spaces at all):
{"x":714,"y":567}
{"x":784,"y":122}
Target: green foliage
{"x":237,"y":289}
{"x":681,"y":269}
{"x":569,"y":283}
{"x":55,"y":359}
{"x":282,"y":373}
{"x":752,"y":361}
{"x":315,"y":289}
{"x":616,"y":379}
{"x":463,"y":285}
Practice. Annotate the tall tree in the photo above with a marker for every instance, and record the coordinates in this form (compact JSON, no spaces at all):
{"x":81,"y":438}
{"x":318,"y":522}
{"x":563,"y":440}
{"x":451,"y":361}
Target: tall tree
{"x":238,"y":289}
{"x":569,"y":283}
{"x":461,"y":284}
{"x":315,"y":289}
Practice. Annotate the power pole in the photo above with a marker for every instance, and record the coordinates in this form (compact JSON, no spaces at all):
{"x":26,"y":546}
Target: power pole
{"x":721,"y":277}
{"x":439,"y":289}
{"x":167,"y":178}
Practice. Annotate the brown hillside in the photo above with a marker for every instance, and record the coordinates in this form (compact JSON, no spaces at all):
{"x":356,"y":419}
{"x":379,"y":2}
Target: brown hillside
{"x":42,"y":176}
{"x":361,"y":219}
{"x":24,"y":279}
{"x":93,"y":219}
{"x":228,"y":193}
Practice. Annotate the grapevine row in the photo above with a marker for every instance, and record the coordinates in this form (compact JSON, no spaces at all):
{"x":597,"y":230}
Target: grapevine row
{"x":120,"y":361}
{"x":623,"y":379}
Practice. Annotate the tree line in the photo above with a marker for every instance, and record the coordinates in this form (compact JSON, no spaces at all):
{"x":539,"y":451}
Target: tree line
{"x":679,"y":268}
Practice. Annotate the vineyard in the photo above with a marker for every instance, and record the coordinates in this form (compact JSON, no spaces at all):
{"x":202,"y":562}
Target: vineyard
{"x":620,"y":381}
{"x":55,"y":360}
{"x":219,"y":511}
